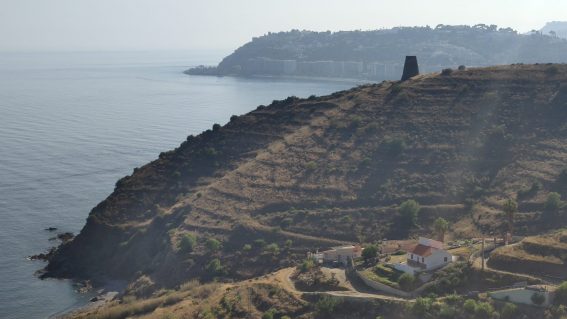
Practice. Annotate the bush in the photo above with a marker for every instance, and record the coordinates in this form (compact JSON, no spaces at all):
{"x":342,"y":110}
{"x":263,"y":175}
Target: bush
{"x":273,"y":249}
{"x":187,"y":243}
{"x":288,"y":243}
{"x":369,"y":252}
{"x":409,"y":211}
{"x":483,"y":310}
{"x":269,"y":314}
{"x":406,"y":282}
{"x":311,"y":166}
{"x":214,"y":267}
{"x":216,"y":127}
{"x":247,"y":248}
{"x":447,"y":72}
{"x":326,"y":305}
{"x":213,"y":245}
{"x":422,"y":306}
{"x":233,"y":118}
{"x":394,"y":146}
{"x":561,"y":294}
{"x":469,"y":305}
{"x":553,"y":202}
{"x":509,"y":311}
{"x":307,"y":265}
{"x":462,"y":67}
{"x":260,"y":243}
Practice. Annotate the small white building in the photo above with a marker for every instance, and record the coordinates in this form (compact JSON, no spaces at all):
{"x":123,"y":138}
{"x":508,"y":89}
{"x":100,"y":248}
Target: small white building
{"x":339,"y":254}
{"x":426,"y":256}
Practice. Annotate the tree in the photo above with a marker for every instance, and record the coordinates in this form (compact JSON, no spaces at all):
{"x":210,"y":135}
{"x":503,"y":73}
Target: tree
{"x":187,"y":243}
{"x":370,"y":252}
{"x":214,"y":267}
{"x":553,"y":202}
{"x":273,"y":249}
{"x":561,"y":294}
{"x":213,"y":245}
{"x":441,"y":226}
{"x":406,"y":282}
{"x":510,"y":208}
{"x":509,"y":311}
{"x":409,"y":211}
{"x":326,"y":305}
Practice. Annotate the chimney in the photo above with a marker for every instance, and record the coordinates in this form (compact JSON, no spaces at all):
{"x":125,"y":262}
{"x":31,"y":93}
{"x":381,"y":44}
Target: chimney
{"x":411,"y":68}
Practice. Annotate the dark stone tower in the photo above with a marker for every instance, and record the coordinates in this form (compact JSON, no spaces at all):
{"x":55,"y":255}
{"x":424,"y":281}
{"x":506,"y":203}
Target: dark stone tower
{"x":411,"y":68}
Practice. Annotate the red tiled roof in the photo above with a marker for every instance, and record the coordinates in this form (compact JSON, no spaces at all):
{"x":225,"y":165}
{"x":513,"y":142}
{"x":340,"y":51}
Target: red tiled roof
{"x":422,"y":250}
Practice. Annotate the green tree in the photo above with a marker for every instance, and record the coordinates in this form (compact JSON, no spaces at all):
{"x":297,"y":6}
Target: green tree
{"x":214,"y":267}
{"x":469,"y":305}
{"x":441,"y":226}
{"x":510,"y":208}
{"x":213,"y":245}
{"x":509,"y":311}
{"x":422,"y":306}
{"x":409,"y":211}
{"x":326,"y":305}
{"x":561,"y":294}
{"x":273,"y":249}
{"x":269,"y":314}
{"x":370,"y":252}
{"x":406,"y":282}
{"x":187,"y":243}
{"x":247,"y":248}
{"x":553,"y":202}
{"x":483,"y":310}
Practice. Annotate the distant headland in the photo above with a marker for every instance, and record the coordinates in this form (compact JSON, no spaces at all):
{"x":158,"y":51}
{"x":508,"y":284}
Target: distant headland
{"x":375,"y":55}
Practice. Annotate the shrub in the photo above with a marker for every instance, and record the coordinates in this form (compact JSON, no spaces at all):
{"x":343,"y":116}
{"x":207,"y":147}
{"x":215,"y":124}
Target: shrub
{"x":409,"y":211}
{"x":509,"y":311}
{"x":273,"y":249}
{"x":406,"y":282}
{"x":260,"y":243}
{"x":233,"y":118}
{"x":326,"y":305}
{"x":216,"y":127}
{"x":247,"y":248}
{"x":369,"y":252}
{"x":311,"y":166}
{"x":462,"y":67}
{"x":561,"y":294}
{"x":312,"y":97}
{"x":213,"y":245}
{"x":393,"y":147}
{"x":441,"y":226}
{"x":187,"y":243}
{"x":422,"y":306}
{"x":538,"y":299}
{"x":269,"y":314}
{"x":553,"y":202}
{"x":214,"y":267}
{"x":307,"y":265}
{"x":483,"y":310}
{"x":447,"y":72}
{"x":469,"y":305}
{"x":288,"y":243}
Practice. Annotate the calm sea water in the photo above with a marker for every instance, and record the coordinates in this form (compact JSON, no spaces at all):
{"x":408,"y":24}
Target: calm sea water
{"x":71,"y":124}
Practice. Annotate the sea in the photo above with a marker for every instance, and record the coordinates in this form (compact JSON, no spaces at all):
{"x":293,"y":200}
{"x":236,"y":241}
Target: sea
{"x":73,"y":123}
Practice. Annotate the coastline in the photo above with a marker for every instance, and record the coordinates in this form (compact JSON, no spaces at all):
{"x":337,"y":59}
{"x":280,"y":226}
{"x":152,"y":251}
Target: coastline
{"x":294,"y":78}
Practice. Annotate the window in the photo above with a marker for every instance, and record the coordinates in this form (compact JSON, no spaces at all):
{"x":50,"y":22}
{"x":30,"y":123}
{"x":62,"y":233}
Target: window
{"x":411,"y":256}
{"x":445,"y":259}
{"x":422,"y":259}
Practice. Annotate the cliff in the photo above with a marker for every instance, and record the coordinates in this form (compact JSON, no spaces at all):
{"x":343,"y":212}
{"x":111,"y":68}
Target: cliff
{"x":376,"y":54}
{"x":311,"y":173}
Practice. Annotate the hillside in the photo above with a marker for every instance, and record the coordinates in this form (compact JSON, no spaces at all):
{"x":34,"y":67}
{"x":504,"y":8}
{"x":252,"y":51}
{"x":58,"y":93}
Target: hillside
{"x":556,"y":28}
{"x":376,"y":54}
{"x":312,"y":173}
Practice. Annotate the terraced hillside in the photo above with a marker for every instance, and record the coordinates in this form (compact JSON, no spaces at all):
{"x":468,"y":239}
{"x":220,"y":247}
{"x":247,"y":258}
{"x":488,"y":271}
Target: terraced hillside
{"x":311,"y":173}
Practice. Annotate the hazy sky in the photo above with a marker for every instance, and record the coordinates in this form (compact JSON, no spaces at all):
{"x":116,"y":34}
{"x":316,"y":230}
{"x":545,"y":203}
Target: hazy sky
{"x":226,"y":24}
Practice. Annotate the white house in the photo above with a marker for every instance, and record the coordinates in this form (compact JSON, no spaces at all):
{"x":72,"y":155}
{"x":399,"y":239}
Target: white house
{"x":339,"y":254}
{"x":427,"y":255}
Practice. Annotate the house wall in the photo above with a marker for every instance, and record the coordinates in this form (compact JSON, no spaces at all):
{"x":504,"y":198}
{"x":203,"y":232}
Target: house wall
{"x":437,"y":259}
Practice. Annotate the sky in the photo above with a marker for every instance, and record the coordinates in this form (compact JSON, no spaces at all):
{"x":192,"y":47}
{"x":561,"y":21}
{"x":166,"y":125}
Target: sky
{"x":91,"y":25}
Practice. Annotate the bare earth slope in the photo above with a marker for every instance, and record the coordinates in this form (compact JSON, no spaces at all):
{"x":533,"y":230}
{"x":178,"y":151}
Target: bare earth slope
{"x":332,"y":169}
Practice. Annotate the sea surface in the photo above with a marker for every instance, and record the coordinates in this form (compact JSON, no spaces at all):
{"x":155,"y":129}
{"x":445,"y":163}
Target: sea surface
{"x":73,"y":123}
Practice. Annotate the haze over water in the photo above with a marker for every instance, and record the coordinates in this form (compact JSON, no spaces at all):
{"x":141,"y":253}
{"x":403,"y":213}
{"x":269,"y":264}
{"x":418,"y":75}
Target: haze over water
{"x":72,"y":124}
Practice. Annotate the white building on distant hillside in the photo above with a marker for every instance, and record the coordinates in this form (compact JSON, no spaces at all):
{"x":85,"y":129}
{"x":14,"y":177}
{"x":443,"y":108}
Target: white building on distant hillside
{"x":427,"y":255}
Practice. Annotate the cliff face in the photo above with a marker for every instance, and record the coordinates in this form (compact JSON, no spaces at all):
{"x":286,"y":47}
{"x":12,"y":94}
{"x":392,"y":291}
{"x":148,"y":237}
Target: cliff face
{"x":328,"y":170}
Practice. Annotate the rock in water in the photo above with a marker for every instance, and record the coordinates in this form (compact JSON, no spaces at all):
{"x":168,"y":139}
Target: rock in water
{"x":411,"y":68}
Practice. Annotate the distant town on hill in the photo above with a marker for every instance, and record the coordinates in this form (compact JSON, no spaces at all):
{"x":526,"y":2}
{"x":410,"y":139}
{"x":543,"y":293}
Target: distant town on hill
{"x":379,"y":54}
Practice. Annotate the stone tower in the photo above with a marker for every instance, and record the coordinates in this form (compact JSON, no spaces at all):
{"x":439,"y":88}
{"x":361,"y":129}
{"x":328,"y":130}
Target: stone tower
{"x":411,"y":68}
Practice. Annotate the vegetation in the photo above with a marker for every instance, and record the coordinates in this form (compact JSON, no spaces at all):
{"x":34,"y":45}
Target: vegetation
{"x":553,"y":202}
{"x":213,"y":245}
{"x":510,"y":208}
{"x":370,"y":252}
{"x":561,"y":294}
{"x":441,"y":226}
{"x":406,"y":282}
{"x":409,"y":211}
{"x":187,"y":243}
